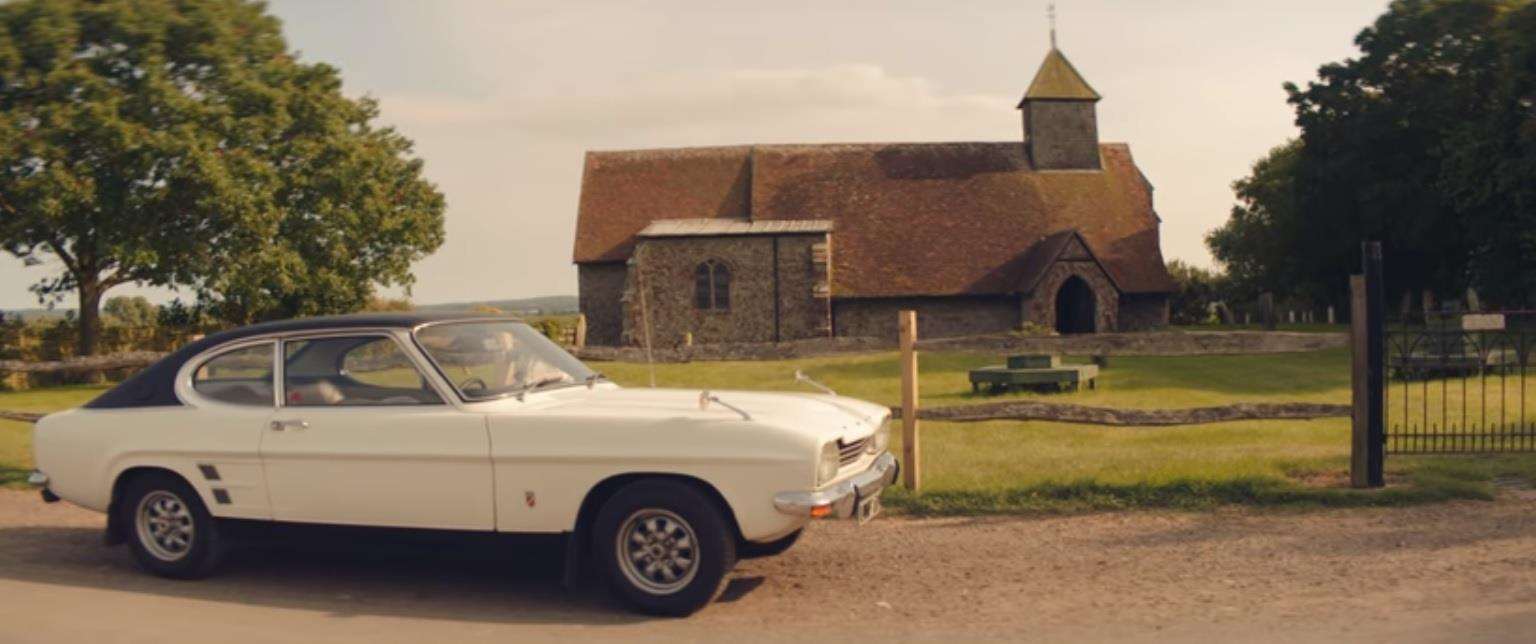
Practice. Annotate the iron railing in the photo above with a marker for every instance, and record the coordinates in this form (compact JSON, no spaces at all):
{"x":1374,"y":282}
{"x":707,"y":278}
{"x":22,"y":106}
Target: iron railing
{"x":1457,"y":383}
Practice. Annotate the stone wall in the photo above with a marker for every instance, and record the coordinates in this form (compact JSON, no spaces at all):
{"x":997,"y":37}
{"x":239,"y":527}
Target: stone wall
{"x":601,"y":290}
{"x":1040,"y":307}
{"x":760,"y":268}
{"x":938,"y":317}
{"x":1143,"y":312}
{"x":1062,"y":135}
{"x":1149,"y":343}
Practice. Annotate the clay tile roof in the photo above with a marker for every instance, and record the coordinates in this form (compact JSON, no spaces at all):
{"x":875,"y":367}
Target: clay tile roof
{"x":911,"y":219}
{"x":713,"y":227}
{"x":1044,"y":253}
{"x":1057,"y":79}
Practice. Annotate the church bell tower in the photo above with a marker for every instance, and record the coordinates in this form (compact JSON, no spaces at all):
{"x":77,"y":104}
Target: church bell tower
{"x":1061,"y":129}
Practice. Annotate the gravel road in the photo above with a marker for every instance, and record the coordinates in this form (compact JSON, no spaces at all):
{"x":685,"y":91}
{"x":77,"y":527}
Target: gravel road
{"x":1458,"y":572}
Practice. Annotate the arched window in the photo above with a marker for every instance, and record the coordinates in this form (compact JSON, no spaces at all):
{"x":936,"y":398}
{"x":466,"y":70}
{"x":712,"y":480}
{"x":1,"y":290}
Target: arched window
{"x":712,"y":286}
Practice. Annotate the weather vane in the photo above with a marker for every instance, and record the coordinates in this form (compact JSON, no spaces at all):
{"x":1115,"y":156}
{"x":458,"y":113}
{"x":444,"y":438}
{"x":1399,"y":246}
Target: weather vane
{"x":1050,"y":14}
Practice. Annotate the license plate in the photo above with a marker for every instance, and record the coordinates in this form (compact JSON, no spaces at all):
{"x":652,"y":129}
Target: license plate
{"x":867,"y":509}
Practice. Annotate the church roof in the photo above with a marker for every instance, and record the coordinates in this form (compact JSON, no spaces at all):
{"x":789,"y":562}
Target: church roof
{"x":1057,"y":79}
{"x":910,"y":219}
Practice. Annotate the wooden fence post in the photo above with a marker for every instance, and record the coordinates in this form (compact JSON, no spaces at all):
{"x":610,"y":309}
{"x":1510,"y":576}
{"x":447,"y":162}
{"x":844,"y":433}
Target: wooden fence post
{"x":1367,"y":345}
{"x":580,"y":339}
{"x":910,"y":449}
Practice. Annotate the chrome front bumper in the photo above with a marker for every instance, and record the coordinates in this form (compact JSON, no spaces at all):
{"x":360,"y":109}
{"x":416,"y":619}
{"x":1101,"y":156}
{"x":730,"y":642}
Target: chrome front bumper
{"x":40,"y":481}
{"x":841,"y":499}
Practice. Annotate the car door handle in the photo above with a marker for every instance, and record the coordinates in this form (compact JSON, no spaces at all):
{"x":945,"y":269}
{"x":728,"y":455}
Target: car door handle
{"x":280,"y":425}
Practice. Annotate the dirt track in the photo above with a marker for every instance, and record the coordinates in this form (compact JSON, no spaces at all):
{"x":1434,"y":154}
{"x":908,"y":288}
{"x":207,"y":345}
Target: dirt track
{"x":1456,"y":572}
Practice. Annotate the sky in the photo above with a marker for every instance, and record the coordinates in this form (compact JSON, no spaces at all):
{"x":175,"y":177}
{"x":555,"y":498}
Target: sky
{"x":503,"y":98}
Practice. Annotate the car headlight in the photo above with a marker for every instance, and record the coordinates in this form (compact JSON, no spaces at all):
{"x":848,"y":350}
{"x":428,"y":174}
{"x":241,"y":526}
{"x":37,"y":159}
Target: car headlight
{"x":881,"y":441}
{"x":827,"y":466}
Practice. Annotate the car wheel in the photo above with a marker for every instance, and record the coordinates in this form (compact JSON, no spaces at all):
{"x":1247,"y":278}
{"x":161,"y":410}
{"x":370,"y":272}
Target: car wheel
{"x":754,"y":550}
{"x":168,"y":528}
{"x":664,"y":546}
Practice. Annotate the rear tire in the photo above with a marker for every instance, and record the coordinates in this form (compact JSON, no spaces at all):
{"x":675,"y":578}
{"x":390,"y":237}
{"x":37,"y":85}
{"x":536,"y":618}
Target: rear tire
{"x":664,"y":546}
{"x":168,"y":528}
{"x":753,"y":550}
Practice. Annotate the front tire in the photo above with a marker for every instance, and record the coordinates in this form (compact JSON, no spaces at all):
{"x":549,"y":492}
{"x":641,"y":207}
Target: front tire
{"x":664,"y":546}
{"x":169,"y":529}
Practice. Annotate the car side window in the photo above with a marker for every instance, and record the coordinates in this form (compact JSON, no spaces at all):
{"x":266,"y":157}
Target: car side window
{"x":238,"y":377}
{"x":352,"y":371}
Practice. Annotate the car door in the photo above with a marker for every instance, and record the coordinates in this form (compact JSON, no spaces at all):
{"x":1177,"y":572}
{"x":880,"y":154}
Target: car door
{"x":361,"y":437}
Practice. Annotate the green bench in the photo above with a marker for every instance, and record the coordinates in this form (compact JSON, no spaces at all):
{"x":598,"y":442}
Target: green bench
{"x":1040,"y":373}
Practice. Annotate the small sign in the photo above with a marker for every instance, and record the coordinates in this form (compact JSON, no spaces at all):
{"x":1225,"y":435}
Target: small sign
{"x":1482,"y":322}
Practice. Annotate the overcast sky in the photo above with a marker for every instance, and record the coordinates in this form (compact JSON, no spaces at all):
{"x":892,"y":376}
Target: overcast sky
{"x":502,"y":97}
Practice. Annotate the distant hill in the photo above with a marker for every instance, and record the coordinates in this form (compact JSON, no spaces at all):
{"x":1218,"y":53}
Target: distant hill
{"x":36,"y":313}
{"x":547,"y":305}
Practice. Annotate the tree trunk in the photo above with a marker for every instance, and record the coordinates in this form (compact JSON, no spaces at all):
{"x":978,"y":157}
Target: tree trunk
{"x":90,"y":317}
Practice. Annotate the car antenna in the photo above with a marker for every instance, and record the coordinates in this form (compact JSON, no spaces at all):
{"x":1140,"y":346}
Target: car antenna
{"x":801,"y":377}
{"x":645,"y":321}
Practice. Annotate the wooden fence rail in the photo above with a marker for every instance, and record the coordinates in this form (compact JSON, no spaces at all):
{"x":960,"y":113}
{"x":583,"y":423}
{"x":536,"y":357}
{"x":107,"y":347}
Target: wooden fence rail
{"x":1067,"y":413}
{"x":83,"y":364}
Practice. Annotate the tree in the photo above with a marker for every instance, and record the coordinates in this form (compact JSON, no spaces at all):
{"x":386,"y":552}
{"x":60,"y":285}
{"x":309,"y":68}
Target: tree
{"x":132,"y":311}
{"x":1260,"y":245}
{"x":1423,"y":142}
{"x":179,"y":143}
{"x":1198,"y":289}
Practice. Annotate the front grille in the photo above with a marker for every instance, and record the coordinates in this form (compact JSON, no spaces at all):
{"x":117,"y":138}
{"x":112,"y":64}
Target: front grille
{"x":851,"y":451}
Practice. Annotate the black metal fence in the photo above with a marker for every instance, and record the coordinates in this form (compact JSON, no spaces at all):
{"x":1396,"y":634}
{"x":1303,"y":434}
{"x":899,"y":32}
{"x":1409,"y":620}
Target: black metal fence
{"x":1436,"y":382}
{"x":1457,"y":382}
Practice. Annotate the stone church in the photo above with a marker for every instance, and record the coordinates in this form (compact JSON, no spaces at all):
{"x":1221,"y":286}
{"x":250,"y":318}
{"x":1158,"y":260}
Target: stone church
{"x":769,"y":243}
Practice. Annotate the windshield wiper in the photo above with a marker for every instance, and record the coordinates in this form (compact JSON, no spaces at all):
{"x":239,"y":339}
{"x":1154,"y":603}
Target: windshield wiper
{"x":543,"y":382}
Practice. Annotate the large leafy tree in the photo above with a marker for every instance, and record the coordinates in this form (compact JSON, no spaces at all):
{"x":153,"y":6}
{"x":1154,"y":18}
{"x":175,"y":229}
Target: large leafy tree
{"x":1423,"y":142}
{"x":179,"y":143}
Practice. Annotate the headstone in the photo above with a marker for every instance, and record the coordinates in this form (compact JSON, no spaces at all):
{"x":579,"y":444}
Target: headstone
{"x":1482,"y":322}
{"x":1290,"y":316}
{"x":1331,"y":319}
{"x":1267,"y":311}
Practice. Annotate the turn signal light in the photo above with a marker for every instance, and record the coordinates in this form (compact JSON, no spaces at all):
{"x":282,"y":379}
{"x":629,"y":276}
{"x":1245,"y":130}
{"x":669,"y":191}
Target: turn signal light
{"x":821,"y":511}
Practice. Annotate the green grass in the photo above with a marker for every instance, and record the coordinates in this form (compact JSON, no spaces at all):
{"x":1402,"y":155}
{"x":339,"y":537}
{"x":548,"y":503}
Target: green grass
{"x":16,"y":437}
{"x":1027,"y":467}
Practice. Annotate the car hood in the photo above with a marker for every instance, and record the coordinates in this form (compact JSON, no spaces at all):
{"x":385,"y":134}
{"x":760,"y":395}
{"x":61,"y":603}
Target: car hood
{"x":822,"y":416}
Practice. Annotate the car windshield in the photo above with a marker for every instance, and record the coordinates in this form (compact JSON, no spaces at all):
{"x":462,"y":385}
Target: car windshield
{"x":492,"y":359}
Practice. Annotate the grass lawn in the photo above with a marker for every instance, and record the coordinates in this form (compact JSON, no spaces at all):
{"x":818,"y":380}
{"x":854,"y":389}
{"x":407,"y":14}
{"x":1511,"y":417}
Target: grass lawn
{"x":16,"y":437}
{"x":1010,"y":466}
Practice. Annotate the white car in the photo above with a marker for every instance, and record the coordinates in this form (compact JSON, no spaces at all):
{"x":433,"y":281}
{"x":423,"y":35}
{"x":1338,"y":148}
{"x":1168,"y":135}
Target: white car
{"x":459,"y":424}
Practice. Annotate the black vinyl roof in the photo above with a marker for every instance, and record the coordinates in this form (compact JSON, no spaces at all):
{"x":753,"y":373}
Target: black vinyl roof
{"x":155,"y":386}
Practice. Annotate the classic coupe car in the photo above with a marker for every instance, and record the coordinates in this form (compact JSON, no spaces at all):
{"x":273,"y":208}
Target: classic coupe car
{"x":459,"y":424}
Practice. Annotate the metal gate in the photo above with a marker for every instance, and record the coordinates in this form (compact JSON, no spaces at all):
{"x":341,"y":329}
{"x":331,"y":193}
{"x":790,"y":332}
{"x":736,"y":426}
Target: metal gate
{"x":1437,"y":382}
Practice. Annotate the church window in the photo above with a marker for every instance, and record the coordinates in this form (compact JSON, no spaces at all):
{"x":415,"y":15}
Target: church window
{"x":712,"y":286}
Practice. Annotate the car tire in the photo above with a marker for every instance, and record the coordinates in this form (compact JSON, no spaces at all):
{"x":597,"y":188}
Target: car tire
{"x":664,"y":546}
{"x":754,"y":550}
{"x":168,"y":528}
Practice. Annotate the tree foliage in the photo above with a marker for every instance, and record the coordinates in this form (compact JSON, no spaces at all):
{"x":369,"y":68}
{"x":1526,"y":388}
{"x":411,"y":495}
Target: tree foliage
{"x":1198,"y":289}
{"x":132,"y":311}
{"x":179,"y":143}
{"x":1425,"y":142}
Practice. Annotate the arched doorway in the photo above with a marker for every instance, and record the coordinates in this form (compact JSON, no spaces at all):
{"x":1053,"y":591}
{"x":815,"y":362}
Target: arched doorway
{"x":1075,"y":308}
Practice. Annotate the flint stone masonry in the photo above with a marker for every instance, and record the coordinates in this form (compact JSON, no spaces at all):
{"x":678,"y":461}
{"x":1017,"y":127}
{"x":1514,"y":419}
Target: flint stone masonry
{"x":764,"y":269}
{"x":1151,"y":343}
